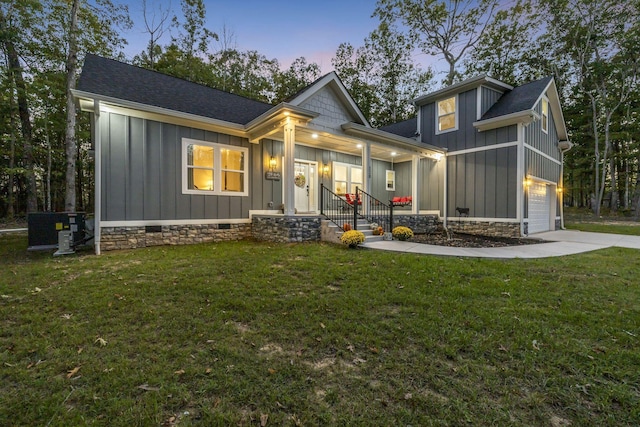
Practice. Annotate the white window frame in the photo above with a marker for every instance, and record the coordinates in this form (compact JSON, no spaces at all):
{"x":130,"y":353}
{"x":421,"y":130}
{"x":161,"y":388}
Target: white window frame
{"x":455,"y":113}
{"x":390,"y":176}
{"x":349,"y":182}
{"x":544,"y":118}
{"x":217,"y":169}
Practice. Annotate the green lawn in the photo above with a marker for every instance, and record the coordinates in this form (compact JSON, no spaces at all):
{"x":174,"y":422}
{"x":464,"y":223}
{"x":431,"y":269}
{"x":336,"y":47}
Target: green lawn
{"x":250,"y":333}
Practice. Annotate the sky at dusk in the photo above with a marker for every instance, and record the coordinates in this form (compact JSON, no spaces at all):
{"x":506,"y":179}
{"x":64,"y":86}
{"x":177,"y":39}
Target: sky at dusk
{"x":281,"y":29}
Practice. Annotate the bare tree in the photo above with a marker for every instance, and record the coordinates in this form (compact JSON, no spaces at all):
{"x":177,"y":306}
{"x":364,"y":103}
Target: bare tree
{"x":155,"y":30}
{"x":448,"y":28}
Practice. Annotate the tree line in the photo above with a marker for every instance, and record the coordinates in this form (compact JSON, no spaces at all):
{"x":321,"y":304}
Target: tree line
{"x":589,"y":47}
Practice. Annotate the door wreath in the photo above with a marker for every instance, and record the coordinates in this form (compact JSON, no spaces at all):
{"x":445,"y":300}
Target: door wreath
{"x":300,"y":180}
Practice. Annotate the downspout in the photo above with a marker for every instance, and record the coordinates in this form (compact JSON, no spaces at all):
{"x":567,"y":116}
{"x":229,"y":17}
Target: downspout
{"x":520,"y":194}
{"x":97,"y":158}
{"x":444,"y":209}
{"x":562,"y":151}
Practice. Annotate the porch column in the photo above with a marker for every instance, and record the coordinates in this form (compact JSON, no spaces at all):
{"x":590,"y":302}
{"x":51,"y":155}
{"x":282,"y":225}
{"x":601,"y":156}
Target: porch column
{"x":288,"y":167}
{"x":416,"y":184}
{"x":366,"y":167}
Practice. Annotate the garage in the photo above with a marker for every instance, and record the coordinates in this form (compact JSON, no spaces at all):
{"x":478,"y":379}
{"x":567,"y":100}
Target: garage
{"x":539,"y":207}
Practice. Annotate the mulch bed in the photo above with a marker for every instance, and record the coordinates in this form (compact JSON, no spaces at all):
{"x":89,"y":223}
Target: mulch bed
{"x":461,"y":240}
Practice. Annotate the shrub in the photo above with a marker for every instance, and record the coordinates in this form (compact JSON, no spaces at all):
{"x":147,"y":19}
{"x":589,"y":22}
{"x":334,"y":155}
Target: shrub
{"x":352,"y":238}
{"x":402,"y":233}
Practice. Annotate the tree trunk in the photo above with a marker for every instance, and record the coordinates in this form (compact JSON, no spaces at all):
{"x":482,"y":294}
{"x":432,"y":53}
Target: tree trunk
{"x":25,"y":118}
{"x":70,"y":134}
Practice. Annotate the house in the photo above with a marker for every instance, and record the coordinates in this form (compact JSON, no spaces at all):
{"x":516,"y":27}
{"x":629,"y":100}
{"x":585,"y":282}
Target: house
{"x":179,"y":163}
{"x":505,"y":150}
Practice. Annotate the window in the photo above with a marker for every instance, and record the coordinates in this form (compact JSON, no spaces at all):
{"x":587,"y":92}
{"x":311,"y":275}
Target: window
{"x":447,"y":115}
{"x":346,"y":178}
{"x":545,"y":115}
{"x":214,"y":168}
{"x":391,"y":180}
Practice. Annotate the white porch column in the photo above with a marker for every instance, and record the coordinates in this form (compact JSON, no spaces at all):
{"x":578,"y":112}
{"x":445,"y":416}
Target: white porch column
{"x":416,"y":184}
{"x":288,"y":167}
{"x":97,"y":163}
{"x":366,"y":167}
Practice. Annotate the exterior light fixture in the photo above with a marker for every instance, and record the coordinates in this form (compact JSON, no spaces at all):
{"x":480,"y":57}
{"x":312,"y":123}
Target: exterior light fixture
{"x":393,"y":153}
{"x":272,"y":163}
{"x":325,"y":169}
{"x":314,"y":135}
{"x":359,"y":146}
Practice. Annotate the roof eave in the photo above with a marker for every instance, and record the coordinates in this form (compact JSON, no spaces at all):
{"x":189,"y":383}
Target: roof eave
{"x":231,"y":128}
{"x":462,"y":86}
{"x":272,"y":121}
{"x":358,"y":130}
{"x":524,"y":117}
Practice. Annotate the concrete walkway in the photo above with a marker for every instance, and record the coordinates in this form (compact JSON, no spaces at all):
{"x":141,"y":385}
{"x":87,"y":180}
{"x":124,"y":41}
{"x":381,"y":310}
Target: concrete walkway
{"x":565,"y":242}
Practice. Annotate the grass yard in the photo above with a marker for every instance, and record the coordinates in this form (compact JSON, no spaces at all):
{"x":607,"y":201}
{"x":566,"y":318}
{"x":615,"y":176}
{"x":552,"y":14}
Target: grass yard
{"x":250,"y":333}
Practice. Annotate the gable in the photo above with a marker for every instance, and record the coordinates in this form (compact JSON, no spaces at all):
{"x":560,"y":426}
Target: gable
{"x":332,"y":112}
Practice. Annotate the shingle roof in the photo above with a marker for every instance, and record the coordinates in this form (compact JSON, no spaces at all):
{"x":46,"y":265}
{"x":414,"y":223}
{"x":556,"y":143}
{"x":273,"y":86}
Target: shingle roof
{"x":521,"y":98}
{"x":107,"y":77}
{"x":406,"y":128}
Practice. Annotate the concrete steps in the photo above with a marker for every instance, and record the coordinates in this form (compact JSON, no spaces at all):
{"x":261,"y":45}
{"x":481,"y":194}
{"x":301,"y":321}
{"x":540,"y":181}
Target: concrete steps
{"x":364,"y":227}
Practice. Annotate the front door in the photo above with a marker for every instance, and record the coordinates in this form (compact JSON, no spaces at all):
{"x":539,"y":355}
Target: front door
{"x":306,"y":176}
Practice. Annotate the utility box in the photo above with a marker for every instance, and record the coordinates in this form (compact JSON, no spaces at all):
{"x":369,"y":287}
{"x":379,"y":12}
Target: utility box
{"x":44,"y":228}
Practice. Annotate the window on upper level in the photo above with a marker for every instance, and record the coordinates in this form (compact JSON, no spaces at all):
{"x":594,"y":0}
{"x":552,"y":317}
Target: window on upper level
{"x":545,"y":115}
{"x":447,"y":111}
{"x":215,"y":169}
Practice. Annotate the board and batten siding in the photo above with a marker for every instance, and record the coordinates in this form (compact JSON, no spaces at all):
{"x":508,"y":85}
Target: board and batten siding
{"x":545,"y":142}
{"x":489,"y":97}
{"x":142,"y":173}
{"x":466,"y":136}
{"x":431,"y":186}
{"x":483,"y":181}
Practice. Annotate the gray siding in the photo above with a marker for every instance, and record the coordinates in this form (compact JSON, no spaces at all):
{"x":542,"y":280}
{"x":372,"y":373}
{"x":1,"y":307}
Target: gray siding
{"x":432,"y":185}
{"x":466,"y":136}
{"x":378,"y":190}
{"x":485,"y":182}
{"x":489,"y":97}
{"x":545,"y":142}
{"x":403,"y":179}
{"x":540,"y":167}
{"x":142,"y":173}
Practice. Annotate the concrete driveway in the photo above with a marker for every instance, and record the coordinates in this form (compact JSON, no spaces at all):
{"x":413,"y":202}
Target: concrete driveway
{"x":564,"y":242}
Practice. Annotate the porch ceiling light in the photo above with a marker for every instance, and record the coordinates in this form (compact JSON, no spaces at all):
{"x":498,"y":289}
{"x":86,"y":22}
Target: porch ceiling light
{"x":359,"y":146}
{"x":393,"y":153}
{"x":314,"y":135}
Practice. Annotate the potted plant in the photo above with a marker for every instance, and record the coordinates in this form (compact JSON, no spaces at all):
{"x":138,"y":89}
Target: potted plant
{"x":402,"y":233}
{"x":352,"y":238}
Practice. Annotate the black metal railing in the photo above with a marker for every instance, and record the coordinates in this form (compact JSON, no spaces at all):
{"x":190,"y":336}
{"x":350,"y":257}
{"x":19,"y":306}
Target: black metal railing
{"x":336,"y":209}
{"x":374,"y":210}
{"x":341,"y":211}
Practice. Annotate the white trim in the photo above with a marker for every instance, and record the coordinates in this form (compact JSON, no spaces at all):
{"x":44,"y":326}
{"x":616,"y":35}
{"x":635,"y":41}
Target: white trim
{"x":455,"y":114}
{"x":478,"y":102}
{"x":542,"y":101}
{"x":144,"y":111}
{"x":415,"y":182}
{"x":546,"y":156}
{"x":461,"y":87}
{"x":526,"y":117}
{"x":520,"y":193}
{"x":97,"y":158}
{"x":265,"y":212}
{"x":541,"y":180}
{"x":316,"y":173}
{"x":481,"y":219}
{"x":483,"y":148}
{"x":429,"y":212}
{"x":217,"y":169}
{"x":151,"y":222}
{"x":349,"y":182}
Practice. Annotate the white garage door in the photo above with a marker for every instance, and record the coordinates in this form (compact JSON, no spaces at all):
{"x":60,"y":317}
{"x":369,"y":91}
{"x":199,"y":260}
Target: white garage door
{"x":539,"y":208}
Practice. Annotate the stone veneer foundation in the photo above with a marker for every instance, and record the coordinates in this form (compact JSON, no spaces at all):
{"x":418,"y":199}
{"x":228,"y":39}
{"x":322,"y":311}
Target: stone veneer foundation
{"x":485,"y":228}
{"x":114,"y":238}
{"x":286,"y":229}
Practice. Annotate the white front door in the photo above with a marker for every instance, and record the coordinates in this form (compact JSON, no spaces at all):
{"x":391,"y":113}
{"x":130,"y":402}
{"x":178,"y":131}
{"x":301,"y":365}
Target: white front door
{"x":306,"y":177}
{"x":539,"y":207}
